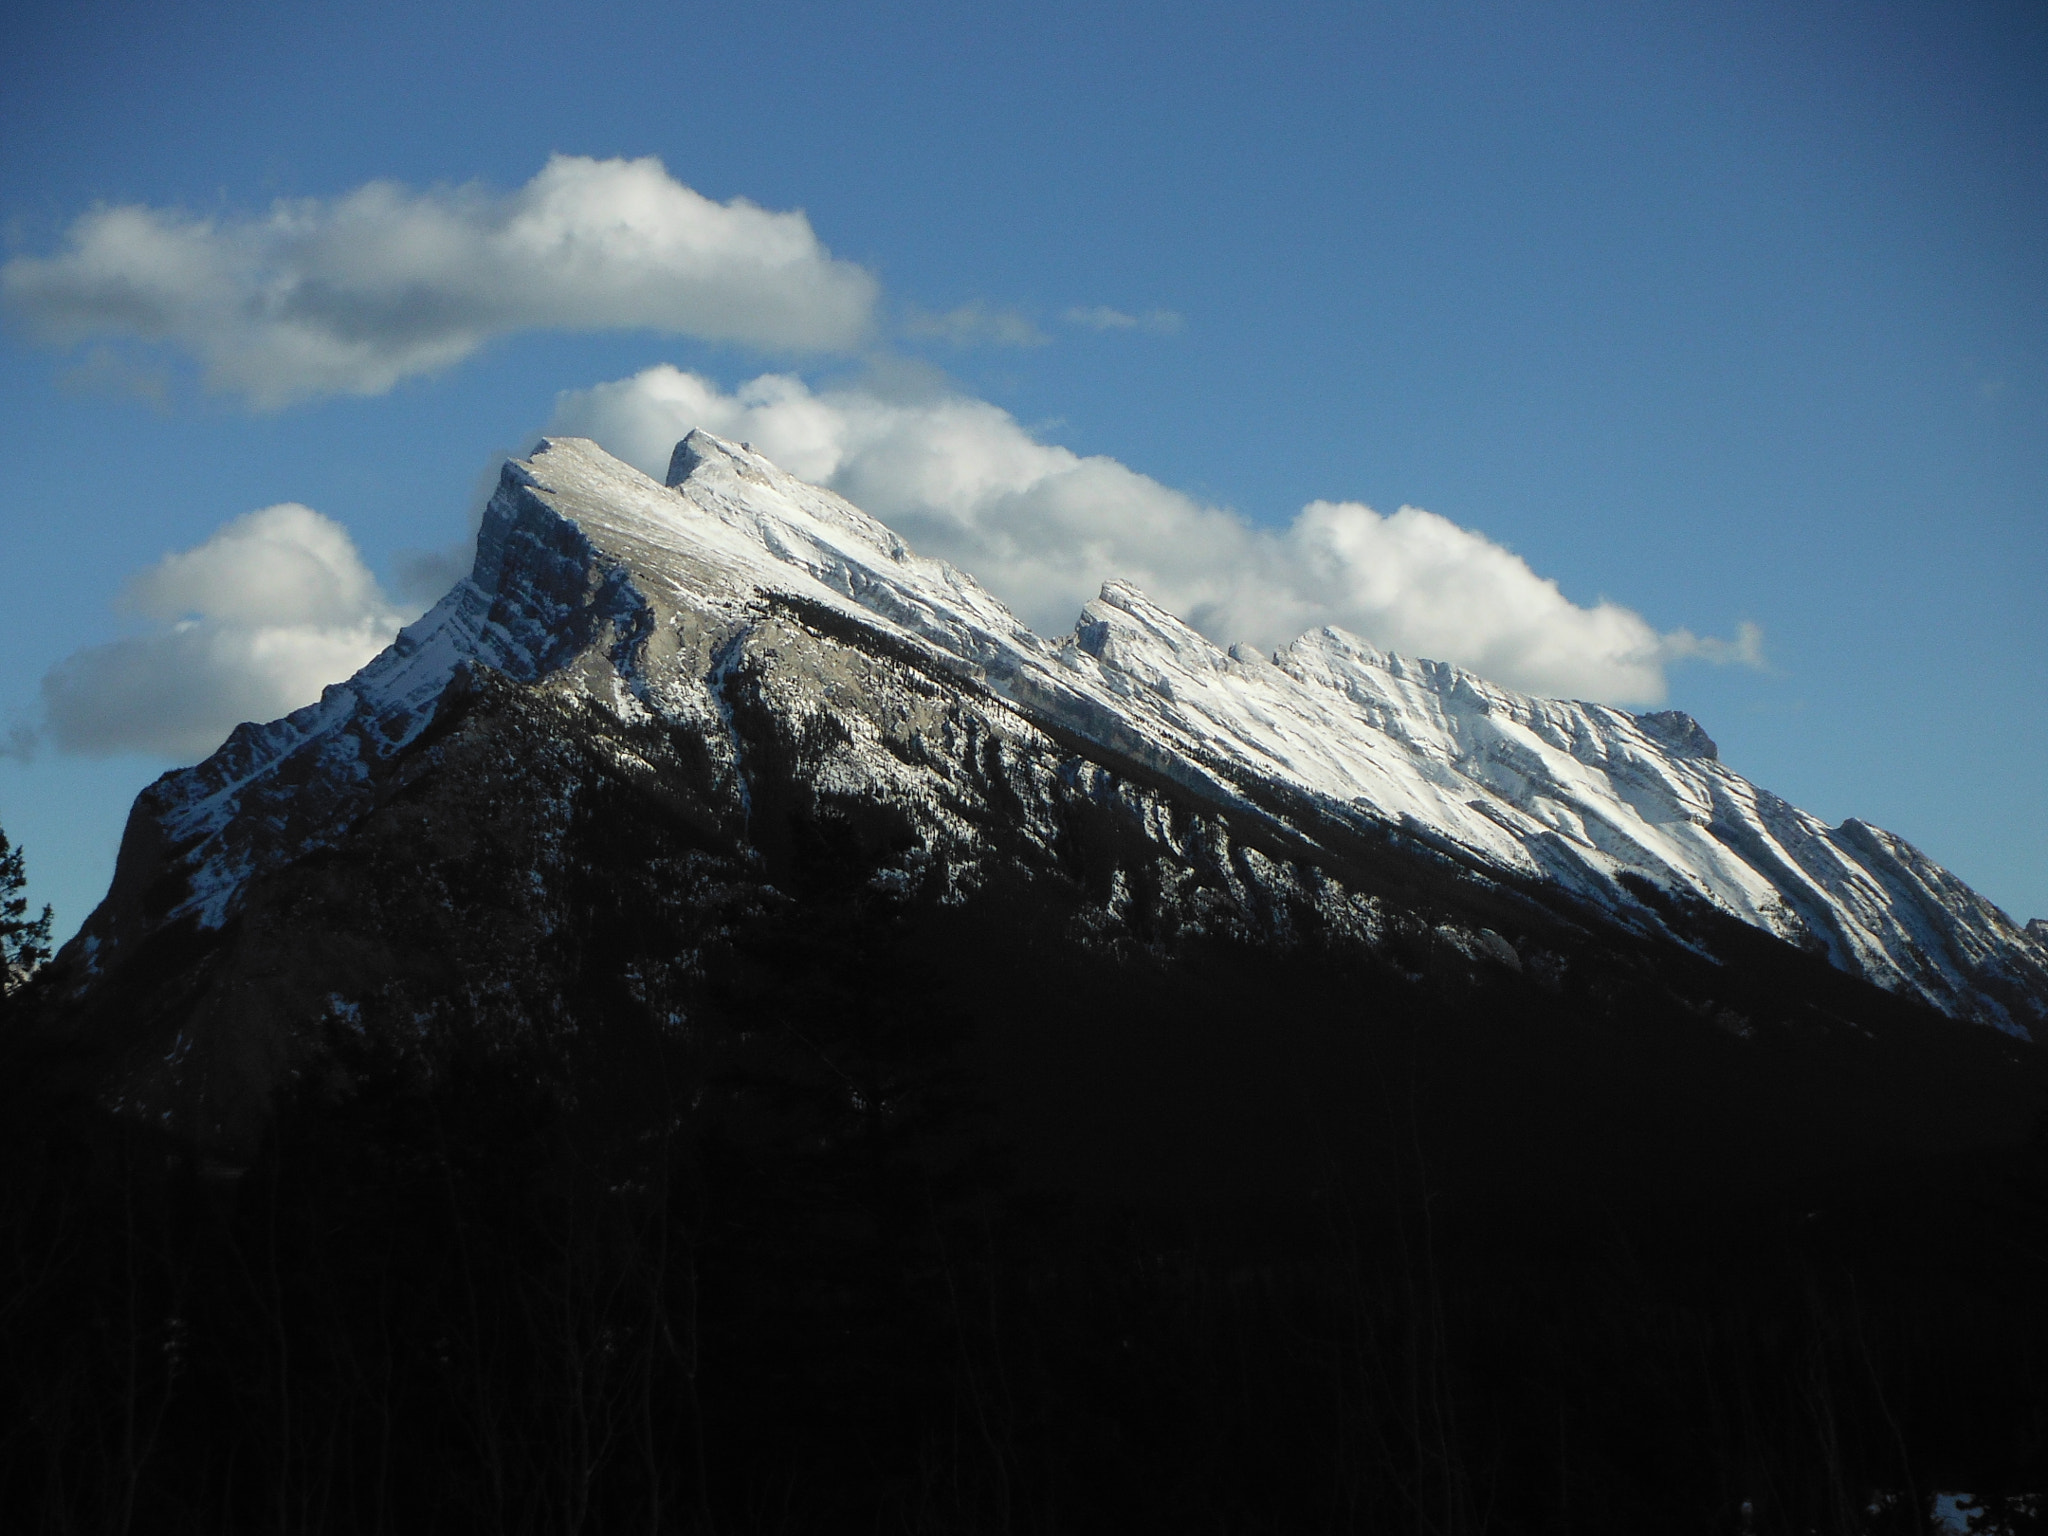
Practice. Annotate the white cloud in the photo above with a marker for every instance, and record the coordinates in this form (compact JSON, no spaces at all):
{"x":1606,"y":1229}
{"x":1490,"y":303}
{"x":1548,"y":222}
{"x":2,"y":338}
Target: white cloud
{"x":251,"y":625}
{"x":1100,"y":317}
{"x":1043,"y":527}
{"x":351,"y":295}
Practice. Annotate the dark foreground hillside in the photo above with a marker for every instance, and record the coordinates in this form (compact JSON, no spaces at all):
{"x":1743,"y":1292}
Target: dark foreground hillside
{"x":885,"y":1213}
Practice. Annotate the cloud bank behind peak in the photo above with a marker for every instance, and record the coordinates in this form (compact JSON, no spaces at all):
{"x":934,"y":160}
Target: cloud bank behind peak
{"x":1043,"y":527}
{"x":249,"y":625}
{"x":277,"y":603}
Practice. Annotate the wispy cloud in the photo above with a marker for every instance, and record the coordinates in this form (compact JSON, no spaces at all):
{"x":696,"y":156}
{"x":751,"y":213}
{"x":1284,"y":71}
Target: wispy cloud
{"x":351,"y":295}
{"x":1745,"y":650}
{"x":974,"y":324}
{"x":249,"y":625}
{"x":1043,"y":527}
{"x":1100,"y":317}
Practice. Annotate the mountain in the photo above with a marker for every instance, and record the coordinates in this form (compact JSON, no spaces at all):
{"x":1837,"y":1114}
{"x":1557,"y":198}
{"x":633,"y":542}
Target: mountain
{"x":720,"y":1027}
{"x":659,"y":615}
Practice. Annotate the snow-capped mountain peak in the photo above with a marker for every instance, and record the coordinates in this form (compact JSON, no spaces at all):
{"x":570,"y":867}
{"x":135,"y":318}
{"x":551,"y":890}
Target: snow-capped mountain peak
{"x":594,"y":580}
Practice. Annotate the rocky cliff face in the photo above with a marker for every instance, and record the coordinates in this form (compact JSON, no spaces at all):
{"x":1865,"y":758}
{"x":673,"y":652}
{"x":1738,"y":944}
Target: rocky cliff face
{"x":655,"y":718}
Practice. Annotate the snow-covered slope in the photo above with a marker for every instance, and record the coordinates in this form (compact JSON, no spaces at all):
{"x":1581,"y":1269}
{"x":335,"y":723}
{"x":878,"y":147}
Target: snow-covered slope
{"x":593,"y":578}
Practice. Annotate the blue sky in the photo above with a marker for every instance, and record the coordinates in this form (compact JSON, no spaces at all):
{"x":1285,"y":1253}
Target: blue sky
{"x":1722,"y":315}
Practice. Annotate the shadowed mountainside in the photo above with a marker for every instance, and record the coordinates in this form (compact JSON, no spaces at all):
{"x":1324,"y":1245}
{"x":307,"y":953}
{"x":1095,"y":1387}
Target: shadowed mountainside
{"x":669,"y":1053}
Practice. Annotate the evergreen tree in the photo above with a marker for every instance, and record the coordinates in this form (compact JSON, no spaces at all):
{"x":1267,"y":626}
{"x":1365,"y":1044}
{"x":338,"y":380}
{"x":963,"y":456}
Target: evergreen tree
{"x":24,"y":941}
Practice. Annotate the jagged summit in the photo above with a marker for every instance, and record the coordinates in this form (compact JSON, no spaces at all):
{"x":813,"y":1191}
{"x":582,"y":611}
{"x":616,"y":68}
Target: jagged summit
{"x":593,"y":582}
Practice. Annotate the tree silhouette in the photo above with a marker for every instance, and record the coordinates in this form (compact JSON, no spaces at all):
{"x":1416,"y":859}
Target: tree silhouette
{"x":24,"y":940}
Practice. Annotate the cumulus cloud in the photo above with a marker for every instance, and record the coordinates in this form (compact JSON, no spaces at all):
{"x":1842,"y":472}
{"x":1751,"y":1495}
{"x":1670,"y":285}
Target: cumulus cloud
{"x":351,"y":295}
{"x":1100,"y":317}
{"x":1043,"y":527}
{"x":249,"y":625}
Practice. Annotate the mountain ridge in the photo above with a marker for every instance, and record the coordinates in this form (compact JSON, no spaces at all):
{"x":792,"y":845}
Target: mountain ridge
{"x":594,"y":579}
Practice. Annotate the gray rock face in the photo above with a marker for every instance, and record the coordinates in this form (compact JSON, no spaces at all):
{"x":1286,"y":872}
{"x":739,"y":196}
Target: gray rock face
{"x":645,"y":699}
{"x":1679,"y":732}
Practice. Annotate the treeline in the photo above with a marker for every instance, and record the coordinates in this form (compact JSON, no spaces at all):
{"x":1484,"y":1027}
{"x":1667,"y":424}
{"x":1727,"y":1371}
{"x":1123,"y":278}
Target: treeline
{"x":812,"y":1295}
